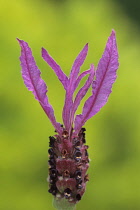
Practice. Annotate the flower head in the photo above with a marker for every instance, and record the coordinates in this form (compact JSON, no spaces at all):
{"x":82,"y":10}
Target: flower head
{"x":68,"y":162}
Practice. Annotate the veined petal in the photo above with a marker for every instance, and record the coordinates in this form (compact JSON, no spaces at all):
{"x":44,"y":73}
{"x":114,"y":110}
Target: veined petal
{"x":71,"y":87}
{"x":34,"y":83}
{"x":60,"y":74}
{"x":105,"y":77}
{"x":83,"y":74}
{"x":82,"y":92}
{"x":77,"y":64}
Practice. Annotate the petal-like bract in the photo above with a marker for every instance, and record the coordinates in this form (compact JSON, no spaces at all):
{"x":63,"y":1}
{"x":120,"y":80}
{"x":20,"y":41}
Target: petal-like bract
{"x":82,"y":92}
{"x":105,"y":77}
{"x":71,"y":87}
{"x":34,"y":83}
{"x":101,"y":86}
{"x":60,"y":74}
{"x":83,"y":74}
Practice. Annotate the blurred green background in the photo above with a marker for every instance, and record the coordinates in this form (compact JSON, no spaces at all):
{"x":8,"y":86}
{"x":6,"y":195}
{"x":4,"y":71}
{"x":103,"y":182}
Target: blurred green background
{"x":63,"y":28}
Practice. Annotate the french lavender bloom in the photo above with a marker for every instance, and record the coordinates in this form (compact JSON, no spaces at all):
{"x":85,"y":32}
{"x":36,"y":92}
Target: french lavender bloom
{"x":68,"y":156}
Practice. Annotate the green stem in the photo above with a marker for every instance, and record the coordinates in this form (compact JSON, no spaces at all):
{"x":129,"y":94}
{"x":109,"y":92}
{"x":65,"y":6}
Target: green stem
{"x":63,"y":204}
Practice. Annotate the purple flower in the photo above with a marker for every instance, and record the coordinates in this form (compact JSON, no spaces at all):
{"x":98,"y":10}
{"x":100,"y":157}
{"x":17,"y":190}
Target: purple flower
{"x":68,"y":157}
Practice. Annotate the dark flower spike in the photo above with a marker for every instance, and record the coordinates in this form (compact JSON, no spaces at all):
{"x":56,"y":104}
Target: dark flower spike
{"x":68,"y":156}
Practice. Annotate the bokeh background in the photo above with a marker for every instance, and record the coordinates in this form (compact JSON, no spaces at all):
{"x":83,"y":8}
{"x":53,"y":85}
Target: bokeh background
{"x":63,"y":27}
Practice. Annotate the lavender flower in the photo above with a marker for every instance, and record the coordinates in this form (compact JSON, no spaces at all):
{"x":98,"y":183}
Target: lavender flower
{"x":68,"y":156}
